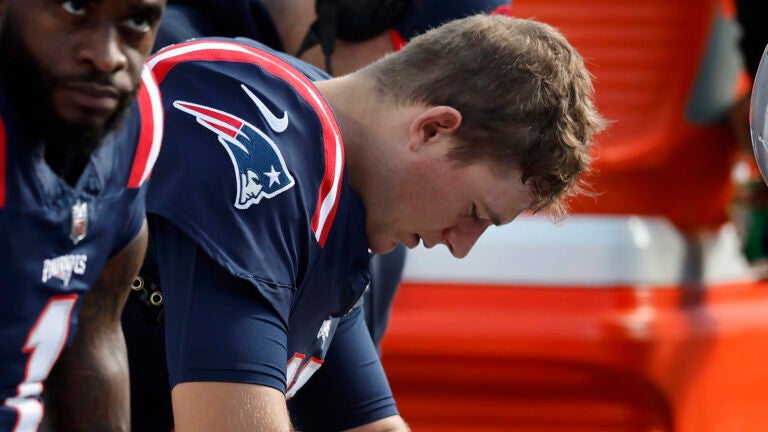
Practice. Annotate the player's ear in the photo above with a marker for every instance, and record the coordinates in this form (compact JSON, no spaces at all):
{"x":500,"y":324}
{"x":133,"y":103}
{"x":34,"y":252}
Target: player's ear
{"x":433,"y":123}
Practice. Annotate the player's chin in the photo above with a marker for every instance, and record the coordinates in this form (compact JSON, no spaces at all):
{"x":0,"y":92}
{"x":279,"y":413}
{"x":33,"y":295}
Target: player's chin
{"x":84,"y":122}
{"x":382,"y":246}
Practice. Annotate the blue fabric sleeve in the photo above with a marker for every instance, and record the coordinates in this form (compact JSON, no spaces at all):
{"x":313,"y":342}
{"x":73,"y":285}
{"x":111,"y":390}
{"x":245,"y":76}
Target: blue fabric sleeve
{"x":350,"y":389}
{"x":132,"y":220}
{"x":133,"y":205}
{"x":217,"y":326}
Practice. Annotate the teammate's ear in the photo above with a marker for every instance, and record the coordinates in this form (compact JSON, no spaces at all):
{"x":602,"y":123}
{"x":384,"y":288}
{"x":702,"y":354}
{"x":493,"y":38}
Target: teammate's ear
{"x":433,"y":123}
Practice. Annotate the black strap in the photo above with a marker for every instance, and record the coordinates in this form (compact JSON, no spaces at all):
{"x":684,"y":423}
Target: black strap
{"x":322,"y":31}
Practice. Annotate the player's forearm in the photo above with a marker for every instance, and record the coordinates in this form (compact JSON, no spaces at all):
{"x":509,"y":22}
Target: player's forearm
{"x":88,"y":388}
{"x":231,"y":407}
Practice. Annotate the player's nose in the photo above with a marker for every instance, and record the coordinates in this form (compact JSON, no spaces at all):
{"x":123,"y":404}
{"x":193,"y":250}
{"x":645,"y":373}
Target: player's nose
{"x":102,"y":47}
{"x":461,"y":237}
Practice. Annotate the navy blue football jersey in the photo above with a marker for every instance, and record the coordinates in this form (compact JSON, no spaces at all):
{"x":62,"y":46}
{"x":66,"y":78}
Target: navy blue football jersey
{"x":56,"y":239}
{"x":253,"y":173}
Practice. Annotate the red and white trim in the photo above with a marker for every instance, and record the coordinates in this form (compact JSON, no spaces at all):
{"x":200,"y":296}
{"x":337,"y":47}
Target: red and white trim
{"x":330,"y":186}
{"x":44,"y":343}
{"x":151,"y":134}
{"x":295,"y":378}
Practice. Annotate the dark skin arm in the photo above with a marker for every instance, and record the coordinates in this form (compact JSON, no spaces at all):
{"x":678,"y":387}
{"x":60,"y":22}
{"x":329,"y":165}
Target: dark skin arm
{"x":88,"y":388}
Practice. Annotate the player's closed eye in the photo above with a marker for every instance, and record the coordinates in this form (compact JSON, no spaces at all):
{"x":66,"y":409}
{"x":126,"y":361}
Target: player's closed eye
{"x":475,"y":216}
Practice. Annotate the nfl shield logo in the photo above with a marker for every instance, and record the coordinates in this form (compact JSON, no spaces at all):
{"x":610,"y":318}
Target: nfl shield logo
{"x":79,"y":221}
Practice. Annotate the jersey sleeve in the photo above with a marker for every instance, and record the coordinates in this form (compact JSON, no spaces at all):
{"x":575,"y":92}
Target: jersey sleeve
{"x":140,"y":139}
{"x":217,"y":328}
{"x":364,"y":397}
{"x":251,"y":163}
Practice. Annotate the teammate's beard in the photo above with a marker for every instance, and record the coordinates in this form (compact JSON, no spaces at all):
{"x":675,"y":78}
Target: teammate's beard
{"x":68,"y":145}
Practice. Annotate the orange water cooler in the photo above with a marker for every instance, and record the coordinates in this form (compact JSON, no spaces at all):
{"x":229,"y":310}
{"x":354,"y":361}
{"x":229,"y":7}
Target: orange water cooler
{"x":639,"y":312}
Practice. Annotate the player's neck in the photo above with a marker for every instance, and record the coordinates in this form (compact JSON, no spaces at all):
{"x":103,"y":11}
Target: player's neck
{"x":374,"y":130}
{"x":67,"y":163}
{"x":353,"y":104}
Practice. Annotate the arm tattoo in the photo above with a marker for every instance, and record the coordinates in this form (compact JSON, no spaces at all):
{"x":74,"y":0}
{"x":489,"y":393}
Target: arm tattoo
{"x":88,"y":388}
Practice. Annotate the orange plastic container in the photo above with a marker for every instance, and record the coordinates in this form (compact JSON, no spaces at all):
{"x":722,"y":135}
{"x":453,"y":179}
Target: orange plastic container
{"x":637,"y":314}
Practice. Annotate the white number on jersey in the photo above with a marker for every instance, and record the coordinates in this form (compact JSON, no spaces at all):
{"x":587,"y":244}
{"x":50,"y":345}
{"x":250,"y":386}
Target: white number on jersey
{"x":44,"y":344}
{"x":295,"y":383}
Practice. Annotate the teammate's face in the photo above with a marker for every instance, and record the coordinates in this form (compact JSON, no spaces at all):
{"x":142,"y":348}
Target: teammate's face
{"x":77,"y":62}
{"x":437,"y":202}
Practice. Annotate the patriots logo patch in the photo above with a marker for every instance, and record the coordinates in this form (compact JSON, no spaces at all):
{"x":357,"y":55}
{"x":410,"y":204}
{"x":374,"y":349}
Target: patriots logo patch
{"x":259,"y":166}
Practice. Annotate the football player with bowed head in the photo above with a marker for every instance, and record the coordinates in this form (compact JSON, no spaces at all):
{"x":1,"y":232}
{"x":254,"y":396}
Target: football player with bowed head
{"x":275,"y":183}
{"x":339,"y":36}
{"x":80,"y":127}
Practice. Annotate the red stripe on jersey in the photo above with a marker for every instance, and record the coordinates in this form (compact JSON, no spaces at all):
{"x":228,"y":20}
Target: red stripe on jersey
{"x":235,"y":123}
{"x":328,"y":195}
{"x":3,"y":169}
{"x":150,"y":135}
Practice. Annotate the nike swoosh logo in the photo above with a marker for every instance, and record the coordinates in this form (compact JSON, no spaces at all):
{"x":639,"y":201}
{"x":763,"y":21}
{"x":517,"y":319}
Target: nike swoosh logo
{"x":277,"y":124}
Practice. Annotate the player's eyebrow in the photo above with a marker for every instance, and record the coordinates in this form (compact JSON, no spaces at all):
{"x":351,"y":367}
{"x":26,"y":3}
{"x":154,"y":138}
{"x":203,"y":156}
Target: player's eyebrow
{"x":153,"y":11}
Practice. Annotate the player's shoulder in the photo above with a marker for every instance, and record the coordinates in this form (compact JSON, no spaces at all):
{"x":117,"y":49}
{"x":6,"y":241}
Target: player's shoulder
{"x":6,"y":118}
{"x":236,"y":50}
{"x":138,"y":139}
{"x":239,"y":88}
{"x":262,"y":107}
